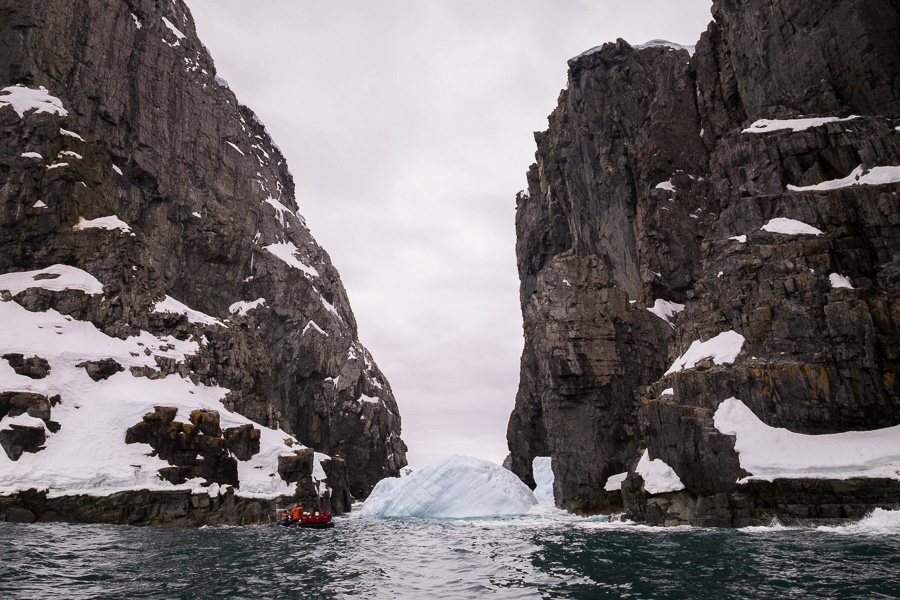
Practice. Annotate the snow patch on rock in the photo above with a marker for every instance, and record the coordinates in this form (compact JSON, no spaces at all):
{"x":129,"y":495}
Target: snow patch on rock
{"x":88,"y":455}
{"x":23,"y":100}
{"x":769,"y":125}
{"x":173,"y":306}
{"x":775,"y":453}
{"x":665,"y":44}
{"x":859,"y":176}
{"x":285,"y":252}
{"x":111,"y":222}
{"x":54,"y":278}
{"x":658,"y":477}
{"x":839,"y":281}
{"x":790,"y":227}
{"x":614,"y":483}
{"x":241,"y":308}
{"x":722,"y":349}
{"x":665,"y":310}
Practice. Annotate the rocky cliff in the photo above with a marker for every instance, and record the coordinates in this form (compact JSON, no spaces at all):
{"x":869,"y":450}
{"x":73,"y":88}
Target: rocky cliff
{"x":708,"y":254}
{"x":155,"y":264}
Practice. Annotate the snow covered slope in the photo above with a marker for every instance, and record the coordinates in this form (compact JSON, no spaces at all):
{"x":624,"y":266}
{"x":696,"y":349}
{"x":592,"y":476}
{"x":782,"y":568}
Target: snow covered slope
{"x":173,"y":321}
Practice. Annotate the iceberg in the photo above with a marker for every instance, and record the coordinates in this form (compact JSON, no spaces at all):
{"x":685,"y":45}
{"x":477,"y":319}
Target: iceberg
{"x":543,"y":477}
{"x":456,"y":487}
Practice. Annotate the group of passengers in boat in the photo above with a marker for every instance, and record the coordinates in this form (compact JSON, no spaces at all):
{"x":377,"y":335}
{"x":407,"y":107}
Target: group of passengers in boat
{"x":296,"y":514}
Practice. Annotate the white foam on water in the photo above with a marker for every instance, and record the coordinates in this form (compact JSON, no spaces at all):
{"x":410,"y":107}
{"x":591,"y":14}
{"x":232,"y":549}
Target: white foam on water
{"x":879,"y":522}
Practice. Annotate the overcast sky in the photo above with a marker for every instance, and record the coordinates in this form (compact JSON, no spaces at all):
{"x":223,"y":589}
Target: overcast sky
{"x":408,"y":126}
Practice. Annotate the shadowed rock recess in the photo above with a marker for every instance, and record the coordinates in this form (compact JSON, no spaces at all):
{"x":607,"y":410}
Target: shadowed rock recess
{"x":665,"y":176}
{"x":125,"y":160}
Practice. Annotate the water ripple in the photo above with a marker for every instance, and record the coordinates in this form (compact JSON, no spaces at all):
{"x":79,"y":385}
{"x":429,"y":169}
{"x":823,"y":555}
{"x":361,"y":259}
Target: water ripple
{"x":548,"y":555}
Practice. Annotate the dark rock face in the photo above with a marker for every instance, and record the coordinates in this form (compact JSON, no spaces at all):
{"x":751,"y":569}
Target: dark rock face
{"x":644,"y":184}
{"x":99,"y":370}
{"x":22,"y":438}
{"x":19,"y":438}
{"x":164,"y":145}
{"x":334,"y":496}
{"x":242,"y":441}
{"x":34,"y":367}
{"x":195,"y":449}
{"x":19,"y":515}
{"x":20,"y":403}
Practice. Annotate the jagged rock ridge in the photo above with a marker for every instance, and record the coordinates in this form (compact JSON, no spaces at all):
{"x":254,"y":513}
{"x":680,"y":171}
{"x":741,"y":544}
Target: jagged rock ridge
{"x":140,"y":197}
{"x":666,"y":208}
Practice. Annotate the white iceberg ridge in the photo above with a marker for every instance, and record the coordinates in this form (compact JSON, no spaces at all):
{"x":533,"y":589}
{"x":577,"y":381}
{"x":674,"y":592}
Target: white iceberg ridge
{"x":541,"y":468}
{"x":454,"y":488}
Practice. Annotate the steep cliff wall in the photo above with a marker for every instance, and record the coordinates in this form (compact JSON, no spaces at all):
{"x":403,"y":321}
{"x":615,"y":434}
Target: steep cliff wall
{"x":123,"y":155}
{"x":745,"y":197}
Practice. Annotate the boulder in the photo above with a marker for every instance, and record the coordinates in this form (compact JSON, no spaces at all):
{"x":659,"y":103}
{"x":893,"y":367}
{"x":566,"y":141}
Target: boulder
{"x":99,"y":370}
{"x":17,"y":439}
{"x":34,"y":367}
{"x":19,"y":515}
{"x":242,"y":441}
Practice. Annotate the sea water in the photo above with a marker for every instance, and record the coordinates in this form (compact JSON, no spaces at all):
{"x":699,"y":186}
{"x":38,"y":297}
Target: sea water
{"x":546,"y":554}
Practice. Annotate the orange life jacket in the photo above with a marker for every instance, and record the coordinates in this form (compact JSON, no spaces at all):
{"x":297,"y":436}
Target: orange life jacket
{"x":295,"y":512}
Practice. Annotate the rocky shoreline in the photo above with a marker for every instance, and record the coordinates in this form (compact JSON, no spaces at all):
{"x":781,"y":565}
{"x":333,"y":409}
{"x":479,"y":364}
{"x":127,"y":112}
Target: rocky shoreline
{"x":171,"y":509}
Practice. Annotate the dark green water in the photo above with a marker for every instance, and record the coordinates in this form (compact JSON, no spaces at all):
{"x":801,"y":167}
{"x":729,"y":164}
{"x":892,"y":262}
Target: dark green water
{"x":539,"y":556}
